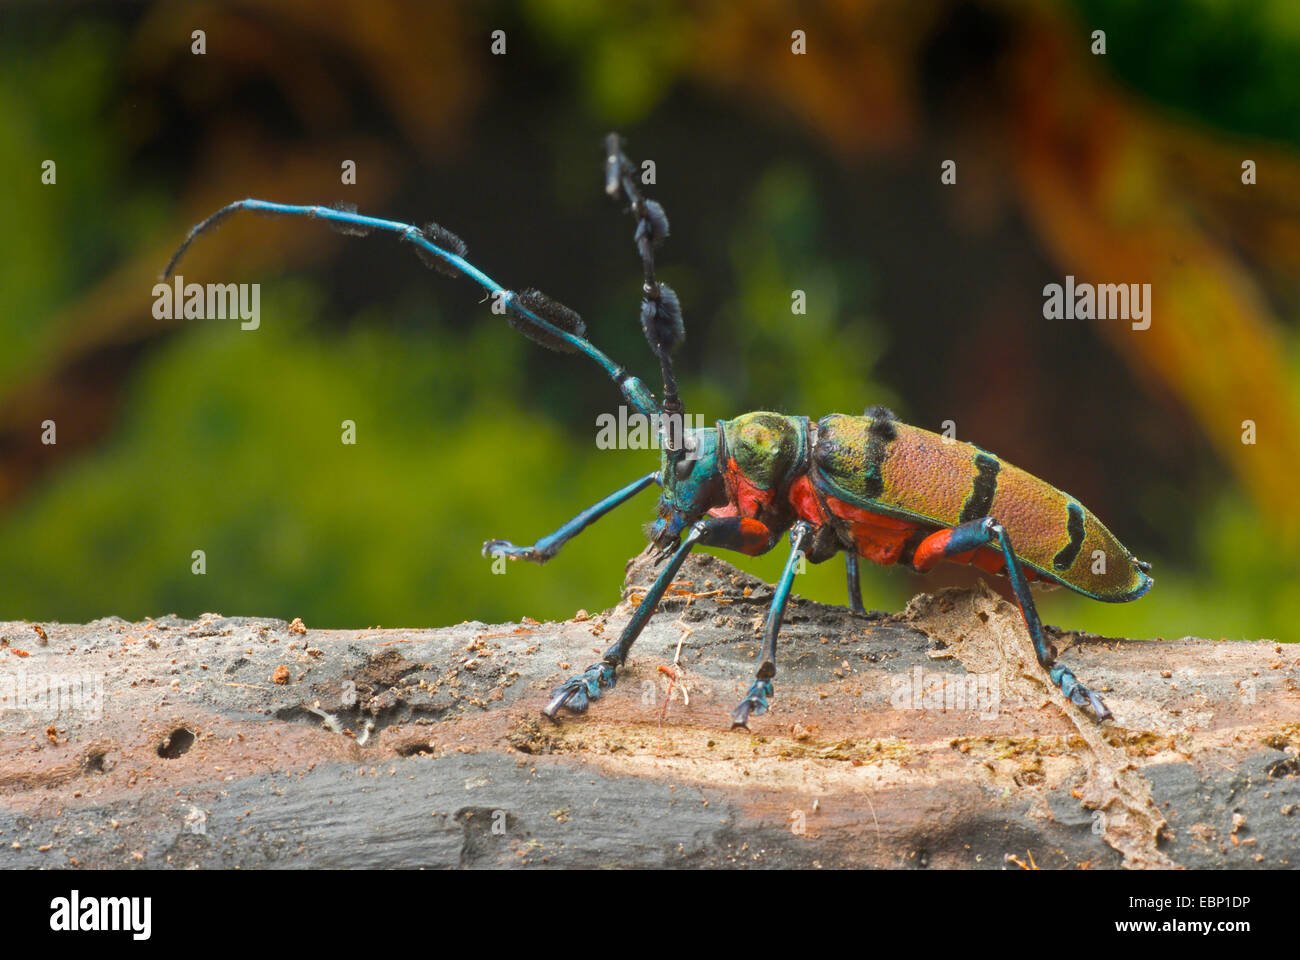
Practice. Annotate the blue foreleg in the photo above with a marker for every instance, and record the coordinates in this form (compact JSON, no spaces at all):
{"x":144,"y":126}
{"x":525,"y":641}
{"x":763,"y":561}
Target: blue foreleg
{"x":550,"y":545}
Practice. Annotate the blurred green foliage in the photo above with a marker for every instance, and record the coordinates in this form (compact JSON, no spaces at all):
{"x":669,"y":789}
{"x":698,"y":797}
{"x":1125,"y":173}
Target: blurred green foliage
{"x":55,"y":107}
{"x":229,"y":442}
{"x":1232,"y":64}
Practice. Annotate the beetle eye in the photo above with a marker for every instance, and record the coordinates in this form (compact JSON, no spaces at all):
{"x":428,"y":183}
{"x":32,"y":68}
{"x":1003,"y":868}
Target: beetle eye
{"x":682,"y":469}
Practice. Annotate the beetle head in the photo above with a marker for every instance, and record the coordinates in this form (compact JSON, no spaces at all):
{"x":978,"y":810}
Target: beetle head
{"x":691,"y":485}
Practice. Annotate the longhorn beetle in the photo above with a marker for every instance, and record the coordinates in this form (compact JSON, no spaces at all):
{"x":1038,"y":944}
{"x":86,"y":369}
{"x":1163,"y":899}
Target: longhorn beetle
{"x":866,"y":486}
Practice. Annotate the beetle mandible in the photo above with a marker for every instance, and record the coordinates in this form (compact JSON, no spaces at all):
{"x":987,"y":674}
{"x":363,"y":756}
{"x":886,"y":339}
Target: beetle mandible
{"x":867,"y":486}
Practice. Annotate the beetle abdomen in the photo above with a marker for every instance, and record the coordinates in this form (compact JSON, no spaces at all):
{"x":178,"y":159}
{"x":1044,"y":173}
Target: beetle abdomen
{"x":888,"y":467}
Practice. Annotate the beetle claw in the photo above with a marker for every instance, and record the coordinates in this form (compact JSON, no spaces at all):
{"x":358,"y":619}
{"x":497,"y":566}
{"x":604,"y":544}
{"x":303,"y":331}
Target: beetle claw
{"x":1078,"y":694}
{"x":755,"y":703}
{"x":1099,"y":708}
{"x":576,"y":693}
{"x":493,"y":549}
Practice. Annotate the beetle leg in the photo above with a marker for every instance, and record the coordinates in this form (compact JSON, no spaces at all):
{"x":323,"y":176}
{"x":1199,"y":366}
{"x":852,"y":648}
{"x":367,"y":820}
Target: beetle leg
{"x":855,"y":582}
{"x":550,"y":545}
{"x":755,"y":701}
{"x":730,"y":533}
{"x":985,"y":531}
{"x":1061,"y":675}
{"x":576,"y":693}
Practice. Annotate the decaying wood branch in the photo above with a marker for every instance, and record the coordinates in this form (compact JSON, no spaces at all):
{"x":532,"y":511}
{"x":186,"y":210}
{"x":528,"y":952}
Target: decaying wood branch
{"x":924,"y":739}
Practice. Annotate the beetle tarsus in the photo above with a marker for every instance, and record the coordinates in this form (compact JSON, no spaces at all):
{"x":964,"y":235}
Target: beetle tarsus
{"x":576,"y":693}
{"x":755,"y":703}
{"x":1077,"y":693}
{"x":504,"y":548}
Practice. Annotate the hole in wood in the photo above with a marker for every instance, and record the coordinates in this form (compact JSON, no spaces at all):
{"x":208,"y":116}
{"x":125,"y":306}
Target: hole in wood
{"x":175,"y":743}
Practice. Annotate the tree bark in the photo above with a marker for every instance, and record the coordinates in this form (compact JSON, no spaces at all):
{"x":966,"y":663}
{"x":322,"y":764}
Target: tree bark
{"x":924,"y":739}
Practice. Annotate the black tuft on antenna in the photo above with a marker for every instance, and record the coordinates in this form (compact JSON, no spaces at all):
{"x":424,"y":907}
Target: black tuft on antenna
{"x":661,"y":320}
{"x":661,"y":311}
{"x":442,"y":237}
{"x":554,"y":313}
{"x":350,"y":229}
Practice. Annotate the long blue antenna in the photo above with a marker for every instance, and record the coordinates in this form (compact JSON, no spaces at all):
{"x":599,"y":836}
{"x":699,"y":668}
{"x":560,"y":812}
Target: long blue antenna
{"x":525,"y":306}
{"x":661,"y":310}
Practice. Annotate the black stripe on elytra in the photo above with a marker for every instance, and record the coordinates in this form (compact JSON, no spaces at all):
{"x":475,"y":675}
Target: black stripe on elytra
{"x":982,"y":490}
{"x":1074,"y":524}
{"x":880,"y":435}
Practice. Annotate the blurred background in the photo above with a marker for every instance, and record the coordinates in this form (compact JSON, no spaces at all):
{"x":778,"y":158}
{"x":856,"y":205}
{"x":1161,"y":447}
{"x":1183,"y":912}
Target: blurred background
{"x":818,"y":172}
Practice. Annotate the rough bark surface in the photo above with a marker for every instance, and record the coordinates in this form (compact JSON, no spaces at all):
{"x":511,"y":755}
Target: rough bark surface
{"x":924,"y":739}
